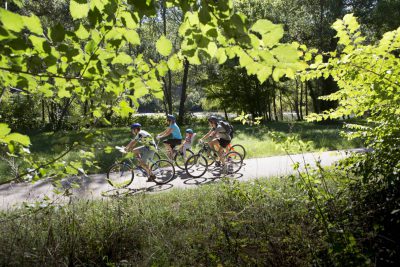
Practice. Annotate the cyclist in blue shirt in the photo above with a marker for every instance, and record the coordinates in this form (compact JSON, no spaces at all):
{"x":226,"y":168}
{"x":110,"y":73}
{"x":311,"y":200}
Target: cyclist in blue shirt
{"x":173,"y":133}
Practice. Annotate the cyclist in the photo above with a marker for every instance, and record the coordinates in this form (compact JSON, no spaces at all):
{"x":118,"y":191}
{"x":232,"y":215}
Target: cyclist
{"x":174,"y":135}
{"x":144,"y":152}
{"x":190,"y":135}
{"x":220,"y":138}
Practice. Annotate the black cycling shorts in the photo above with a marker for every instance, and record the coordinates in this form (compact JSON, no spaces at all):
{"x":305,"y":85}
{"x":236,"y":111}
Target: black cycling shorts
{"x":173,"y":142}
{"x":223,"y":142}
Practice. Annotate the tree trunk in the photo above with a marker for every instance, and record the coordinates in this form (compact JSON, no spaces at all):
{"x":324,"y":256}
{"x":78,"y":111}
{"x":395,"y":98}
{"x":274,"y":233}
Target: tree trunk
{"x":296,"y":100}
{"x":2,"y":92}
{"x":280,"y":104}
{"x":275,"y":114}
{"x":226,"y":114}
{"x":168,"y":85}
{"x":314,"y":98}
{"x":306,"y":97}
{"x":183,"y":94}
{"x":301,"y":100}
{"x":43,"y":113}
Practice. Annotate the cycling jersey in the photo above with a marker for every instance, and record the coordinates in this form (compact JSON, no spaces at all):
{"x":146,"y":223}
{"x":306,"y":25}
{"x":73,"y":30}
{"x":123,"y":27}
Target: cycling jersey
{"x":176,"y":132}
{"x":145,"y":139}
{"x":221,"y":133}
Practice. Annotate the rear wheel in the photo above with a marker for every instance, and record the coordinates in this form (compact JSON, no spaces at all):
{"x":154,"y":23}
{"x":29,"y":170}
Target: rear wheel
{"x":233,"y":162}
{"x":180,"y":159}
{"x":163,"y":170}
{"x":240,"y":149}
{"x":196,"y":166}
{"x":120,"y":175}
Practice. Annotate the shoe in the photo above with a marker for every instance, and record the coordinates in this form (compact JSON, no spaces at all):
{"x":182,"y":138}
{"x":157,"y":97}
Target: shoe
{"x":151,"y":178}
{"x":230,"y":168}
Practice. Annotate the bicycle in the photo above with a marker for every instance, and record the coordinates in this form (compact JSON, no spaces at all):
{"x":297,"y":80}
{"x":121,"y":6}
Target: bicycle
{"x":179,"y":158}
{"x":238,"y":148}
{"x":121,"y":174}
{"x":197,"y":164}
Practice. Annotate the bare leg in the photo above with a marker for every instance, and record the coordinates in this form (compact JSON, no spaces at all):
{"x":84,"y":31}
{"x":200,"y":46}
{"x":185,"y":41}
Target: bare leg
{"x":142,"y":164}
{"x":168,"y":148}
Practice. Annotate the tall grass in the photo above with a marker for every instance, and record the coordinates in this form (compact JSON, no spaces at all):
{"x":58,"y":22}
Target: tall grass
{"x":259,"y":223}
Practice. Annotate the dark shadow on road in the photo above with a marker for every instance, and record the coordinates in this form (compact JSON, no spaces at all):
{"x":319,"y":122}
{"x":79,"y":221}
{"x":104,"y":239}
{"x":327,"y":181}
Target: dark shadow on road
{"x":123,"y":192}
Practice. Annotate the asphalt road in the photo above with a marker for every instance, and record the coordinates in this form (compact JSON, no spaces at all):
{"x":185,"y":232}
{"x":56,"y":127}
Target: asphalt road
{"x":96,"y":187}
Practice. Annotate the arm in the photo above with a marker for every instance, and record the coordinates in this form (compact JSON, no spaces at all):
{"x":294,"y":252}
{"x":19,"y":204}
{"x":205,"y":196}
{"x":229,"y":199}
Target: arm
{"x":130,"y":145}
{"x":210,"y":133}
{"x":165,"y":133}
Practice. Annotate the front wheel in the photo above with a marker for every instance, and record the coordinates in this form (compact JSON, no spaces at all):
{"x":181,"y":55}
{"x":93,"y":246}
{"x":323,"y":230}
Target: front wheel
{"x":163,"y":170}
{"x":196,"y":166}
{"x":180,"y":158}
{"x":120,"y":175}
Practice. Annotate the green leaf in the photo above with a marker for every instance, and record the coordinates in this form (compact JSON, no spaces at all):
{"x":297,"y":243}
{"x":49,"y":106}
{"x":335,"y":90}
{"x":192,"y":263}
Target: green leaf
{"x":174,"y":63}
{"x":278,"y":73}
{"x":221,"y":56}
{"x":79,"y":10}
{"x":164,"y":46}
{"x":57,"y":33}
{"x":33,"y":24}
{"x":286,"y":53}
{"x":90,"y":47}
{"x":162,"y":68}
{"x":38,"y":43}
{"x":271,"y":33}
{"x":97,"y":113}
{"x":122,"y":58}
{"x":81,"y":32}
{"x":212,"y":49}
{"x":19,"y":138}
{"x":132,"y":37}
{"x":264,"y":73}
{"x":63,"y":93}
{"x":128,"y":20}
{"x":11,"y":21}
{"x":4,"y":130}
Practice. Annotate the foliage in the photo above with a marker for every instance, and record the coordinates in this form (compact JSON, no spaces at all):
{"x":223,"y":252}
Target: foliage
{"x":88,"y":60}
{"x":368,"y":78}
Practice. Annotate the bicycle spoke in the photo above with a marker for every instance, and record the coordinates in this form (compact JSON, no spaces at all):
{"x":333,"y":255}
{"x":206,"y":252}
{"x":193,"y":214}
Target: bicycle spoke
{"x":196,"y":166}
{"x":120,"y":175}
{"x":233,"y":161}
{"x":163,"y":171}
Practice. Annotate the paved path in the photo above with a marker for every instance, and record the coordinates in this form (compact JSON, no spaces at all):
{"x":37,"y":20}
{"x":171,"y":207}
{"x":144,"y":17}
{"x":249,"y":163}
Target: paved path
{"x":95,"y":186}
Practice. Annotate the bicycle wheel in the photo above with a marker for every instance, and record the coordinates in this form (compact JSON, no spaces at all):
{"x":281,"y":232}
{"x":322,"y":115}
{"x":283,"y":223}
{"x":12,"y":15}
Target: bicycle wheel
{"x":196,"y":166}
{"x":120,"y":175}
{"x":240,"y":149}
{"x":180,"y":160}
{"x":163,"y":170}
{"x":233,"y":161}
{"x":156,"y":157}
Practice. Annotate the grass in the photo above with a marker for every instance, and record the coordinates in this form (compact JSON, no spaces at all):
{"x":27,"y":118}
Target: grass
{"x":255,"y":139}
{"x":259,"y":223}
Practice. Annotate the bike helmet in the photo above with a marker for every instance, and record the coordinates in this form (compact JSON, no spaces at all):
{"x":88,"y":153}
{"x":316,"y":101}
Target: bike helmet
{"x":135,"y":125}
{"x":189,"y":131}
{"x":213,"y":119}
{"x":171,"y":117}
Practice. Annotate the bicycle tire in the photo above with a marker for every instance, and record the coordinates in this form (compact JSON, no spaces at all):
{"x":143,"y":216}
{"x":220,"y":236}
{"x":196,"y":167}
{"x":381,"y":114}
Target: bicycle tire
{"x":120,"y":175}
{"x":156,"y":157}
{"x":196,"y":165}
{"x":180,"y":161}
{"x":163,"y":170}
{"x":233,"y":161}
{"x":240,"y":149}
